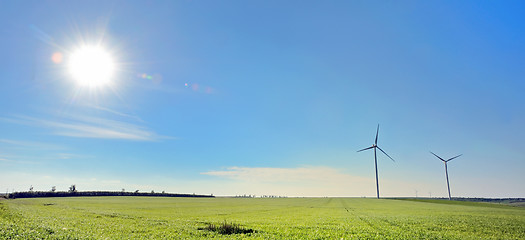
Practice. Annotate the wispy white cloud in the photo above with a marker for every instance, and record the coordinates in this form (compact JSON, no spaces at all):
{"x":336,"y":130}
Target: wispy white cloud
{"x":30,"y":144}
{"x":20,"y":181}
{"x":266,"y":174}
{"x":17,"y":159}
{"x":40,"y":158}
{"x":70,"y":156}
{"x":300,"y":181}
{"x":91,"y":127}
{"x":116,"y":112}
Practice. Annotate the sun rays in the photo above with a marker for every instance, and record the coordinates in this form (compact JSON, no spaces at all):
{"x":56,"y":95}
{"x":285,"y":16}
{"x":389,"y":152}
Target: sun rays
{"x":91,"y":66}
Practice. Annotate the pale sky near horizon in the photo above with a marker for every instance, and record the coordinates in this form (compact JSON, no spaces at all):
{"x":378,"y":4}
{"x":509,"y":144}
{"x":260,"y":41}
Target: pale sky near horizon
{"x":266,"y":97}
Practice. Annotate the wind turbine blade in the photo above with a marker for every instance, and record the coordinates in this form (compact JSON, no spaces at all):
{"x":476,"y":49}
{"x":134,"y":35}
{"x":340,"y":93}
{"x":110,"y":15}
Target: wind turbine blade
{"x":386,"y":154}
{"x":365,"y":149}
{"x":454,"y":157}
{"x":438,"y":157}
{"x":377,"y":133}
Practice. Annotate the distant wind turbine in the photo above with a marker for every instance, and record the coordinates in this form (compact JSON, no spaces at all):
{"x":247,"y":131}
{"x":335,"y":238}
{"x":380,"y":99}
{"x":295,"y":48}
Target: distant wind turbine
{"x":374,"y":146}
{"x":446,"y":170}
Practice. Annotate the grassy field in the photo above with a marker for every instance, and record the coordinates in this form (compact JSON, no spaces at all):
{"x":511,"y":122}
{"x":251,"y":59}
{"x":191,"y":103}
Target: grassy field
{"x":288,"y":218}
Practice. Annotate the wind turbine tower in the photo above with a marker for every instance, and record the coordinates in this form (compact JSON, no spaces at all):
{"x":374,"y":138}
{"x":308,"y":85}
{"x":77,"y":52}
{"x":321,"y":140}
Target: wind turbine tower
{"x":374,"y":146}
{"x":446,"y":170}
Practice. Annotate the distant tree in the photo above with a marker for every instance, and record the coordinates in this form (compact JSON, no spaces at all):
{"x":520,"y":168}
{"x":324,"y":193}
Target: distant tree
{"x":31,"y":188}
{"x":53,"y":188}
{"x":163,"y":192}
{"x":137,"y":191}
{"x":73,"y":188}
{"x":152,"y":191}
{"x":123,"y":190}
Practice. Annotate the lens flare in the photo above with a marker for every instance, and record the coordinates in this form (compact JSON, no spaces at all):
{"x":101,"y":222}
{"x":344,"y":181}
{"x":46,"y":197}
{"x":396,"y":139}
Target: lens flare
{"x":57,"y":57}
{"x":155,"y":78}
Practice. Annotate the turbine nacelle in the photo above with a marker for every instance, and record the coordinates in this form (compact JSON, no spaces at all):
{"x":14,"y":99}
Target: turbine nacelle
{"x":445,"y":161}
{"x":376,"y":146}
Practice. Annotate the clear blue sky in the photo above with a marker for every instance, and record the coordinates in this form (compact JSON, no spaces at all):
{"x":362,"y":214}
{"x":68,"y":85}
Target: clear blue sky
{"x":266,"y":97}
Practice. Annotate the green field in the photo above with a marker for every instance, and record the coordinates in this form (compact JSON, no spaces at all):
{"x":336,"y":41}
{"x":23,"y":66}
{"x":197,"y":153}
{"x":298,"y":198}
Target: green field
{"x":287,"y":218}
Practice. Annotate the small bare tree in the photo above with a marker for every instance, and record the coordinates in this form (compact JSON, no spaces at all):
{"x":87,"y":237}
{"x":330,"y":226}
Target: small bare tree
{"x":53,"y":188}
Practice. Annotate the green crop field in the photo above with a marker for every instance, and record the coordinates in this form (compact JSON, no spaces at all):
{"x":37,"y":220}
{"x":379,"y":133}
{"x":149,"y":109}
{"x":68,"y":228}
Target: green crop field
{"x":287,"y":218}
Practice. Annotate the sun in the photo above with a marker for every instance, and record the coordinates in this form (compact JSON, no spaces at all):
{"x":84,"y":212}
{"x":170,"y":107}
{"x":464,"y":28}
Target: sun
{"x":91,"y":66}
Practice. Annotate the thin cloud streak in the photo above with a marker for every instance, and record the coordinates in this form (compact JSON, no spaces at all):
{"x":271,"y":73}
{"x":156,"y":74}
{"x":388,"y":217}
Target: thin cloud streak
{"x":5,"y":160}
{"x":16,"y":159}
{"x":42,"y":182}
{"x":90,"y":127}
{"x":30,"y":144}
{"x":116,"y":112}
{"x":299,"y":181}
{"x":39,"y":158}
{"x":266,"y":174}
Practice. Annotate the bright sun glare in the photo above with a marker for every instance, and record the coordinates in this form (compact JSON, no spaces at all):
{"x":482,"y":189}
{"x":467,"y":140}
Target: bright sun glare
{"x":91,"y":66}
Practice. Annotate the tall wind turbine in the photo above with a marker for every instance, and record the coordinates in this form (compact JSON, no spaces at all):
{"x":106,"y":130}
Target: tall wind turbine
{"x":374,"y":146}
{"x":446,"y":170}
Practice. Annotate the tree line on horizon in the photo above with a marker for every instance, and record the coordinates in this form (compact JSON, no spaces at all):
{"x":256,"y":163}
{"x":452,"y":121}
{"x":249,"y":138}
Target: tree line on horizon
{"x":72,"y":192}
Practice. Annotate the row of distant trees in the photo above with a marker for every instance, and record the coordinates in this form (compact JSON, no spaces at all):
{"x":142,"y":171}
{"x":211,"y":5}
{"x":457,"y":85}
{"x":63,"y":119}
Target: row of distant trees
{"x":263,"y":196}
{"x":72,"y":188}
{"x":72,"y":192}
{"x":245,"y":196}
{"x":273,"y":196}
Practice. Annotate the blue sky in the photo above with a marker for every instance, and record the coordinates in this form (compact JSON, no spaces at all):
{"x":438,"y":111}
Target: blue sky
{"x":266,"y":97}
